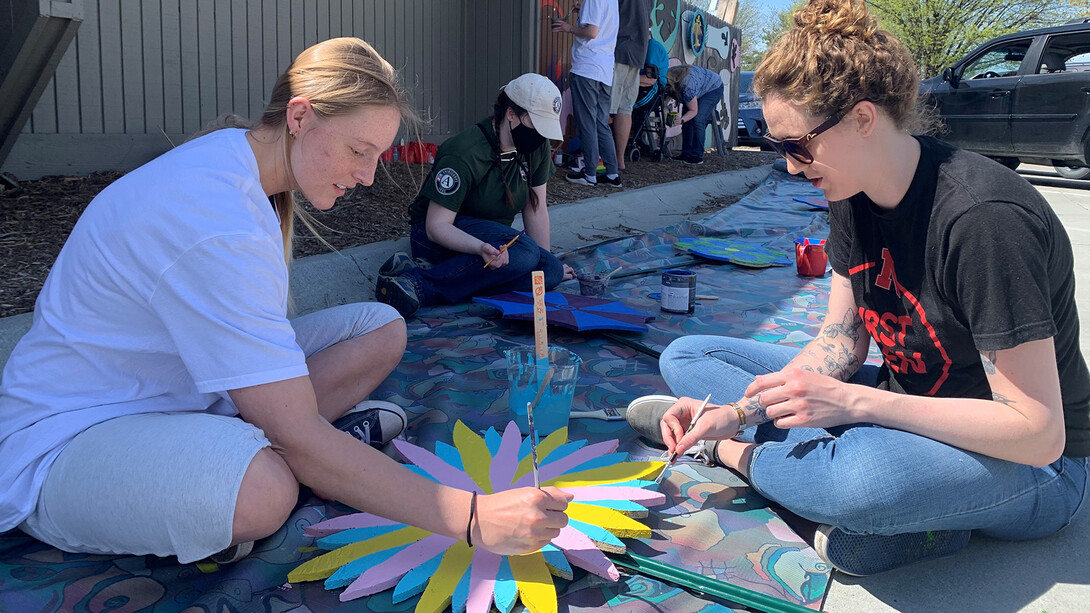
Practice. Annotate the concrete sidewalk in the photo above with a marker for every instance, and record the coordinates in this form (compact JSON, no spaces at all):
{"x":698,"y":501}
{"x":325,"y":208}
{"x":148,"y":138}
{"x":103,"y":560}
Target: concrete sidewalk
{"x":1050,"y":575}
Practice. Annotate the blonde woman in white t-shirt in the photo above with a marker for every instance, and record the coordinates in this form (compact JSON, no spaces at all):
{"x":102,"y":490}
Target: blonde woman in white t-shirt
{"x":161,"y":368}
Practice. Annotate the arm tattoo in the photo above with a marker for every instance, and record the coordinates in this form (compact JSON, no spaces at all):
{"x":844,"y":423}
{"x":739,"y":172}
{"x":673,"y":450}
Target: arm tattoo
{"x":755,"y":413}
{"x":988,"y":358}
{"x":996,"y":396}
{"x":835,"y":347}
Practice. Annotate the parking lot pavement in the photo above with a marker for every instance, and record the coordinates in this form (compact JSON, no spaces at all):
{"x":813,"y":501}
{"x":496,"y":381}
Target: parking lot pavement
{"x":1071,"y":201}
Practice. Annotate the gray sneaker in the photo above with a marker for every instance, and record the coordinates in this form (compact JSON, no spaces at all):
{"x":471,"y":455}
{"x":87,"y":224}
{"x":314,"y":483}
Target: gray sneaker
{"x":860,"y":555}
{"x":398,"y":292}
{"x":375,"y":422}
{"x":645,"y":413}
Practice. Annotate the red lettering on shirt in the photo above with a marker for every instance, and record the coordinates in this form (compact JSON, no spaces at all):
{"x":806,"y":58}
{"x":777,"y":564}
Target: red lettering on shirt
{"x":890,"y":330}
{"x":886,"y":276}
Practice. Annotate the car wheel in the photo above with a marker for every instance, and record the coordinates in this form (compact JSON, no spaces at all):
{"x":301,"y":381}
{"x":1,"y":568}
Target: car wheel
{"x":1068,"y":172}
{"x":1011,"y":163}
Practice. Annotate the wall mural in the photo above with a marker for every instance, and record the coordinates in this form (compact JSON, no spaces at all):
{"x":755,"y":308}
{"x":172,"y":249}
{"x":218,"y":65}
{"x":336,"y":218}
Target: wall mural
{"x":672,"y":24}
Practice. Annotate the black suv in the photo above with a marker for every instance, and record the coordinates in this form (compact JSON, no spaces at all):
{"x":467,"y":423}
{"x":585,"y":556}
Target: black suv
{"x":1022,"y":97}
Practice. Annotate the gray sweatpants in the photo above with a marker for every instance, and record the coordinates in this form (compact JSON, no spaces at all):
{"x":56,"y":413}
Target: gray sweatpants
{"x":590,"y":107}
{"x":166,"y":483}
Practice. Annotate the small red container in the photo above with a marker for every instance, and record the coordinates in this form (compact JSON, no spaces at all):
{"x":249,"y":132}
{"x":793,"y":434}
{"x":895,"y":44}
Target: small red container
{"x":810,"y":257}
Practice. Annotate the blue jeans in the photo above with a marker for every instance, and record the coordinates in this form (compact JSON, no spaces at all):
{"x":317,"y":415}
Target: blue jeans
{"x":694,"y":130}
{"x":456,"y":276}
{"x":590,"y":108}
{"x":868,"y":479}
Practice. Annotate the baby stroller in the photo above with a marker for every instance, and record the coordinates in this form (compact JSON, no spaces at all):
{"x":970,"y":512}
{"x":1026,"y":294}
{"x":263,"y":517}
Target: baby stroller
{"x":649,"y":118}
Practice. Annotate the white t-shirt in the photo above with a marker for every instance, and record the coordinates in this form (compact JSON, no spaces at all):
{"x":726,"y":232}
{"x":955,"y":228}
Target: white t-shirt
{"x":171,"y":290}
{"x":593,"y":58}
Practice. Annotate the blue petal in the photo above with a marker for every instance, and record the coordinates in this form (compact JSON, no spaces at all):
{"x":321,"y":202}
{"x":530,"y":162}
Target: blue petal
{"x":349,"y":572}
{"x":506,"y":589}
{"x":596,"y":533}
{"x":416,"y":580}
{"x":555,"y":558}
{"x":354,"y":535}
{"x":461,"y":593}
{"x":492,"y":440}
{"x":449,"y":454}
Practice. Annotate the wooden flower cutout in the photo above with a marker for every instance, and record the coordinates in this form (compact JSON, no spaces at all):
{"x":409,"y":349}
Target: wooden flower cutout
{"x":370,"y":554}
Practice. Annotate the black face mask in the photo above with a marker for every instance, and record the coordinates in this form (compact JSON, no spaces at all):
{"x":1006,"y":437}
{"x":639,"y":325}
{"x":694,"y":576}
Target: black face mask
{"x":526,"y":140}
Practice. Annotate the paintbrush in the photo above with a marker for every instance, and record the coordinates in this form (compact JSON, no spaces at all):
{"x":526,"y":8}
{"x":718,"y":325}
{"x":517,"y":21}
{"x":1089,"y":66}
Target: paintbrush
{"x":673,"y":456}
{"x":504,"y":248}
{"x":530,"y":421}
{"x":615,"y":271}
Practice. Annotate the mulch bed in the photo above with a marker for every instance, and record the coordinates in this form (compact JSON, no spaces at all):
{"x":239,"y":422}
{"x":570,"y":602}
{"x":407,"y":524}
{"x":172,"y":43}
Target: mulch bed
{"x":37,"y":216}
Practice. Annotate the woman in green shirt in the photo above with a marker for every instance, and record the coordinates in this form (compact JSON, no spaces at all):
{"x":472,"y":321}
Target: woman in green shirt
{"x":482,"y":178}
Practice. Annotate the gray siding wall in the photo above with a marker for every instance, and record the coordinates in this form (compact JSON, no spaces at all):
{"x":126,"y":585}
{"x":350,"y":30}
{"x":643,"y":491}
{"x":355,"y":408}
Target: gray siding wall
{"x":142,"y":74}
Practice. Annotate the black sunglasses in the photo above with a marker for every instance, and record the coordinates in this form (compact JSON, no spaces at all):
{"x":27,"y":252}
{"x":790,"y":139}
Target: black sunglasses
{"x":796,"y":147}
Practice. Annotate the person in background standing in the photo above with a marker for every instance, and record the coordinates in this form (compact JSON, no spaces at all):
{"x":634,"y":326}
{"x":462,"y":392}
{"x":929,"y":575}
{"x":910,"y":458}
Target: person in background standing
{"x":591,"y":80}
{"x":629,"y":56}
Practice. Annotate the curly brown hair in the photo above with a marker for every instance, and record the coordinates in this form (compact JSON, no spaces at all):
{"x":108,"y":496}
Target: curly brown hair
{"x":836,"y":56}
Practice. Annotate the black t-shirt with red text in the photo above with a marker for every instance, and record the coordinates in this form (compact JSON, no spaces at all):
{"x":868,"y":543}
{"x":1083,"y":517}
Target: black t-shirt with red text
{"x":972,"y":259}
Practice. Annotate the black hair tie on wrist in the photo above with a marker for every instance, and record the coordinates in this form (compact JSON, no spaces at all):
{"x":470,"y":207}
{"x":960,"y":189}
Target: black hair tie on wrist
{"x":469,"y":525}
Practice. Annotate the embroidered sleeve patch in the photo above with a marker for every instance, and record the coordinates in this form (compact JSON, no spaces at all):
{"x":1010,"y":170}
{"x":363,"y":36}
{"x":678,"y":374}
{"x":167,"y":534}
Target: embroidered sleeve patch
{"x":447,"y":181}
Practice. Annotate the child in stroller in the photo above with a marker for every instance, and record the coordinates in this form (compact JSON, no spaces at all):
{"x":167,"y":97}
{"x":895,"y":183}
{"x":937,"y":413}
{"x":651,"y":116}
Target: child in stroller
{"x":649,"y":119}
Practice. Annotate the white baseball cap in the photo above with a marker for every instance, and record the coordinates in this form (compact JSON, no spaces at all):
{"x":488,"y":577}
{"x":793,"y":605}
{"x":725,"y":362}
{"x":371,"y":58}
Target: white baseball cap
{"x":541,"y":99}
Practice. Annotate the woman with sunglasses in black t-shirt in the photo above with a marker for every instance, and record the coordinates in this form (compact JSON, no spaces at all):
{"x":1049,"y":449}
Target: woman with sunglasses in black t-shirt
{"x":978,"y":418}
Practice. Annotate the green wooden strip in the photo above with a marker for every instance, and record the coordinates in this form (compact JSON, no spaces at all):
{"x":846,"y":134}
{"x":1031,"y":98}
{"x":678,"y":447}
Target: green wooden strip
{"x":714,"y":587}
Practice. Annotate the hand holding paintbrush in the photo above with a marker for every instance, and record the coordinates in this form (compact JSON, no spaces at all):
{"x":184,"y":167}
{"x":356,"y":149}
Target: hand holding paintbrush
{"x":504,"y":248}
{"x":674,"y":454}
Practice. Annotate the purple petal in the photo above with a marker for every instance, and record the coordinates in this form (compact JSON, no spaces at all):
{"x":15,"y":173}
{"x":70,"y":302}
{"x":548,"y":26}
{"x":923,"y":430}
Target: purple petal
{"x":345,"y":522}
{"x":563,"y":465}
{"x":444,"y":473}
{"x":385,"y":576}
{"x":506,"y":460}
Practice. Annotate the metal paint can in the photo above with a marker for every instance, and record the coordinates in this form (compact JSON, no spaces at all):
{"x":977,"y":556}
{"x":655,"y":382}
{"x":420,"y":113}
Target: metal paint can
{"x":678,"y":291}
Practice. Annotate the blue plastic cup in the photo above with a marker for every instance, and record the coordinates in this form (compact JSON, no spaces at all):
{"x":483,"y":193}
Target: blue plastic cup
{"x":524,"y":376}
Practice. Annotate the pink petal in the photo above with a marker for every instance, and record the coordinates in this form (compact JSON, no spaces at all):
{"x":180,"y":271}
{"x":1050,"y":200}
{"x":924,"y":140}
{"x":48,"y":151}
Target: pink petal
{"x":646,"y":497}
{"x":582,"y":552}
{"x":482,"y":579}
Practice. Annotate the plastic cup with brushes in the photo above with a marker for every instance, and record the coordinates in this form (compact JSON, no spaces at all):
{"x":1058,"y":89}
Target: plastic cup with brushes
{"x":541,"y":378}
{"x":595,"y":285}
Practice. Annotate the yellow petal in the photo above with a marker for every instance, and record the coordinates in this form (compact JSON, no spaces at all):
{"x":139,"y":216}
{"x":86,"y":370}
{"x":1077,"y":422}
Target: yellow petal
{"x":451,"y":569}
{"x":534,"y":582}
{"x":616,"y":473}
{"x":544,"y":448}
{"x":476,"y":459}
{"x":612,"y":520}
{"x":326,"y":564}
